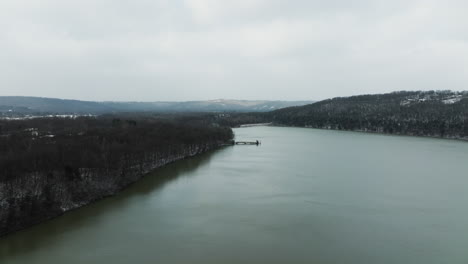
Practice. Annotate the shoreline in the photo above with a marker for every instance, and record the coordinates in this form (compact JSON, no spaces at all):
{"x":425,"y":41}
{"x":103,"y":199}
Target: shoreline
{"x":112,"y":193}
{"x":383,"y":133}
{"x":255,"y":125}
{"x":462,"y":139}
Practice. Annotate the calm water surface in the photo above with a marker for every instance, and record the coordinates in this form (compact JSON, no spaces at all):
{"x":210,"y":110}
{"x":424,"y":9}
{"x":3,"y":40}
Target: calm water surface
{"x":303,"y":196}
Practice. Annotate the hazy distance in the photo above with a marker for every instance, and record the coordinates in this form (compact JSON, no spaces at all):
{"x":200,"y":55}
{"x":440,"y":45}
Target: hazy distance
{"x":161,"y":50}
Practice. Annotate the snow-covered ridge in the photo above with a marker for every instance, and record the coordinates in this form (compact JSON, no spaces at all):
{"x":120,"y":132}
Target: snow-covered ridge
{"x":445,"y":97}
{"x":26,"y":117}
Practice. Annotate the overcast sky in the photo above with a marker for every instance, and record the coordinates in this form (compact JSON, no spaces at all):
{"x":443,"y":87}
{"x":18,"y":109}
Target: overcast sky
{"x":158,"y":50}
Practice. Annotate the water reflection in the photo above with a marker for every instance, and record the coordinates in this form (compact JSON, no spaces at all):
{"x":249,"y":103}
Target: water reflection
{"x":49,"y":233}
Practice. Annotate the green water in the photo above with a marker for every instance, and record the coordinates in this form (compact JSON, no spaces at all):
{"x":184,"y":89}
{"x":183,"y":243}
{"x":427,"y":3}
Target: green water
{"x":303,"y":196}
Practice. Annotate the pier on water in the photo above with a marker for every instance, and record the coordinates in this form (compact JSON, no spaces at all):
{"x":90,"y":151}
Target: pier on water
{"x":256,"y":142}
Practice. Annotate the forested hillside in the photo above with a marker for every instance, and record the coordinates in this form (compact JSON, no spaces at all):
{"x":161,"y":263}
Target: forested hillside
{"x":433,"y":113}
{"x":51,"y":165}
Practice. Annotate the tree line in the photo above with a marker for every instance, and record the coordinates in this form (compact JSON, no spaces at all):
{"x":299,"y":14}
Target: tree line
{"x":51,"y":165}
{"x":432,"y":113}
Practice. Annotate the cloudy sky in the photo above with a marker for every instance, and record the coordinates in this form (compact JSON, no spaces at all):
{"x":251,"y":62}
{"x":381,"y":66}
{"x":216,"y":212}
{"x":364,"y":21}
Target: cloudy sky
{"x":153,"y":50}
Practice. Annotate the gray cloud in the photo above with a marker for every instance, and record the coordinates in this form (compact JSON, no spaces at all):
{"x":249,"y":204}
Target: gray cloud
{"x":250,"y":49}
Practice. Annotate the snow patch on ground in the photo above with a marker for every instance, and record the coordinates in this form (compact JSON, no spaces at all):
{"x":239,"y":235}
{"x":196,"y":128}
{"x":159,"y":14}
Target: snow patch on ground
{"x":445,"y":98}
{"x":27,"y":117}
{"x":452,"y":100}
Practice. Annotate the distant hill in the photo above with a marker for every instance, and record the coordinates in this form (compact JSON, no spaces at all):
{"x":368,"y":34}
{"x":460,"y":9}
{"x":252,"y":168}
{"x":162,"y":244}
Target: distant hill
{"x":20,"y":104}
{"x":220,"y":105}
{"x":25,"y":105}
{"x":432,"y":113}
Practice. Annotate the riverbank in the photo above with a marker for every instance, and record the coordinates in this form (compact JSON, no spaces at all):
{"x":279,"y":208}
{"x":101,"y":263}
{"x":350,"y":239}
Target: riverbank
{"x":254,"y":125}
{"x":24,"y":219}
{"x":50,"y":166}
{"x":447,"y":137}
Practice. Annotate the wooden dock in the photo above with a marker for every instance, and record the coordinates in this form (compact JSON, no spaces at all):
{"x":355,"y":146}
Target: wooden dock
{"x":248,"y":142}
{"x":245,"y":143}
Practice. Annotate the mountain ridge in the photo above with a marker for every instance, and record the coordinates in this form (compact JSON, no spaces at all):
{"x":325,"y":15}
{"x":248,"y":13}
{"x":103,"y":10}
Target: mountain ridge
{"x":31,"y":104}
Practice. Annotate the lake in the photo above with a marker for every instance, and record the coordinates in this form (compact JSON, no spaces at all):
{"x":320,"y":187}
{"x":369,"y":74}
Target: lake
{"x":303,"y":196}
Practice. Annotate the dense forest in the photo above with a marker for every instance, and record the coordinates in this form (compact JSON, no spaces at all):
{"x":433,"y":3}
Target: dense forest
{"x":51,"y":165}
{"x":433,"y":113}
